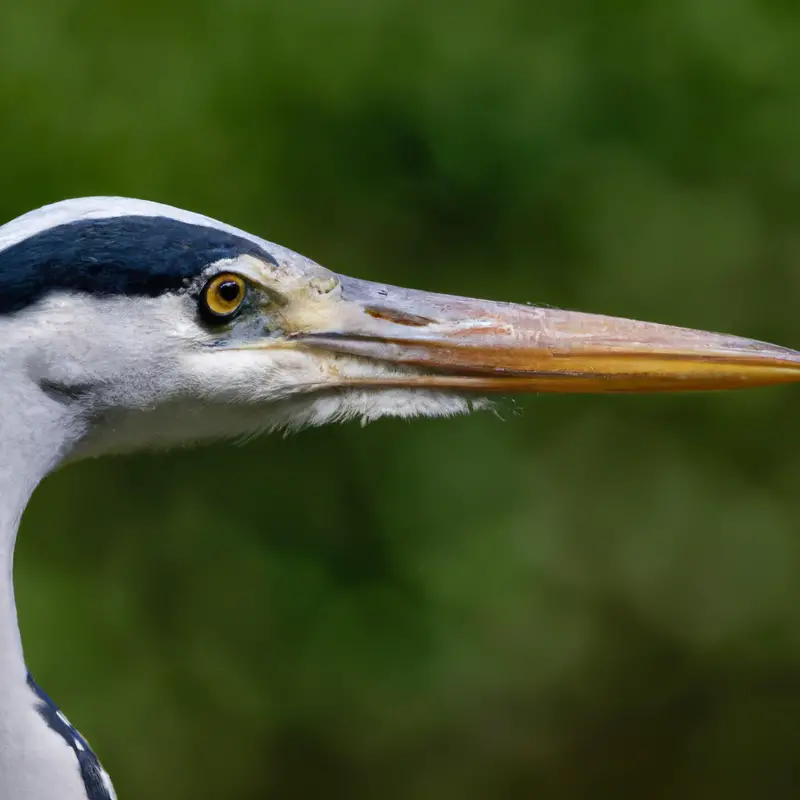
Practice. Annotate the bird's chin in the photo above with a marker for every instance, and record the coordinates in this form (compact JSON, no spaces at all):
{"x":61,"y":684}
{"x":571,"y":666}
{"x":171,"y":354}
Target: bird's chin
{"x":362,"y":389}
{"x":367,"y":405}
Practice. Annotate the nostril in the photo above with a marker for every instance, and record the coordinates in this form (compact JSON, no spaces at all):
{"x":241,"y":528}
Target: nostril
{"x":399,"y":317}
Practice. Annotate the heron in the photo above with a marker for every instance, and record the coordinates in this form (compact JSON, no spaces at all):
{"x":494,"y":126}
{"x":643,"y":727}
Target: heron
{"x":128,"y":324}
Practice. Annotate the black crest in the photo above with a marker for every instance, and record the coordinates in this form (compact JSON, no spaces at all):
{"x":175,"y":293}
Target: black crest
{"x":131,"y":255}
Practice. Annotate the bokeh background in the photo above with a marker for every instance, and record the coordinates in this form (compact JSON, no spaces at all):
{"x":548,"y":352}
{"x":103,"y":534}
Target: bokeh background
{"x":583,"y":597}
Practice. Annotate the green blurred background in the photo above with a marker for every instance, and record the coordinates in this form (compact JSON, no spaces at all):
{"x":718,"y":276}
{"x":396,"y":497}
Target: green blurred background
{"x":590,"y":597}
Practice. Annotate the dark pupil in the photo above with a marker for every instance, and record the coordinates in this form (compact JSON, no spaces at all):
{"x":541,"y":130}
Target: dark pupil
{"x":229,"y":291}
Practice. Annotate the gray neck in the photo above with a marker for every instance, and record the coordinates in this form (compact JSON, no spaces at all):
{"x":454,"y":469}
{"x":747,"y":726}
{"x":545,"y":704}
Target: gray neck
{"x":41,"y":757}
{"x":36,"y":431}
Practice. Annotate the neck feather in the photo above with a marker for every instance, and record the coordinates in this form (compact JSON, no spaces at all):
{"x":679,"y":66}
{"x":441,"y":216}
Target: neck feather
{"x":37,"y":430}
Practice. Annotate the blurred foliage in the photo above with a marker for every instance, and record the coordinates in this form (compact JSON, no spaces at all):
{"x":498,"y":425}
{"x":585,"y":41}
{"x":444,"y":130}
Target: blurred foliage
{"x":595,"y":598}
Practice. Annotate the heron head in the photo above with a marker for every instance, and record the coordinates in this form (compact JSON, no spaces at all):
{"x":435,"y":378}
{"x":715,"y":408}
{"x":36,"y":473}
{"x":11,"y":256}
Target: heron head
{"x":157,"y":326}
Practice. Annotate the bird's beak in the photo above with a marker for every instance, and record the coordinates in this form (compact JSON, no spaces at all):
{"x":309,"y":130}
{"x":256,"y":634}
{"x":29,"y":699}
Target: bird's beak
{"x":478,"y":345}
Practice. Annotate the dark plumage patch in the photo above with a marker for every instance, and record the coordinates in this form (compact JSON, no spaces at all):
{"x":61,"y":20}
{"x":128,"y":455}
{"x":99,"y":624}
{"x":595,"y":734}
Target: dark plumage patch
{"x":123,"y":255}
{"x":92,"y":773}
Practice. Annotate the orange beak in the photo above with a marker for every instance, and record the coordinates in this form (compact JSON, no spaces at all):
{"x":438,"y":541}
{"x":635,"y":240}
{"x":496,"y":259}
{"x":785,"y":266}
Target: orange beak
{"x":483,"y":346}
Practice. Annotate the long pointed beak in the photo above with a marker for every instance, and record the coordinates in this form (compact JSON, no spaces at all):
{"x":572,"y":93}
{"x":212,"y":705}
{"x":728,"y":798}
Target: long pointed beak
{"x":478,"y":345}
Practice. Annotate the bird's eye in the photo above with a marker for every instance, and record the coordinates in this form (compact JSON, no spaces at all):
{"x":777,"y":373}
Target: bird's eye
{"x":223,"y":296}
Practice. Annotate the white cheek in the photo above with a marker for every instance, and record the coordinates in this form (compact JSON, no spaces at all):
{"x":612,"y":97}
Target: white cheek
{"x":290,"y":387}
{"x":223,"y":394}
{"x":253,"y":376}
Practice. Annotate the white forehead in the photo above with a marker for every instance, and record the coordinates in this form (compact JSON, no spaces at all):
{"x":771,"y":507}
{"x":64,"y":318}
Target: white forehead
{"x":84,"y":208}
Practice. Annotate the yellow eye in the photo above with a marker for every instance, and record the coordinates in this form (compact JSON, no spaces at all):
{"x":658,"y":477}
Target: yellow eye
{"x":223,"y":295}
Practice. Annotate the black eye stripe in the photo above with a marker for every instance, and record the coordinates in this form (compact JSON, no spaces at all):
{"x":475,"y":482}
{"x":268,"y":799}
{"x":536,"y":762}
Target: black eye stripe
{"x":132,"y":255}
